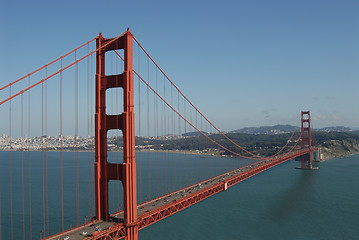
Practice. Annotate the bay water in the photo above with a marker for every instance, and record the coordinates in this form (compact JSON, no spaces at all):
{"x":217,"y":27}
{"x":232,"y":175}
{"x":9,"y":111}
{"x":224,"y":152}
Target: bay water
{"x":280,"y":203}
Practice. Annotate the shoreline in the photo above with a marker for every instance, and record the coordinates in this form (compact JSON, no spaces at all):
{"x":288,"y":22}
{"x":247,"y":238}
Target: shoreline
{"x":327,"y":155}
{"x":346,"y":155}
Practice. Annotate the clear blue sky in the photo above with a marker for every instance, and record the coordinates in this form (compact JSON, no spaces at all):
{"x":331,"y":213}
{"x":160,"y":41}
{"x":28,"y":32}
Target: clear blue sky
{"x":242,"y":63}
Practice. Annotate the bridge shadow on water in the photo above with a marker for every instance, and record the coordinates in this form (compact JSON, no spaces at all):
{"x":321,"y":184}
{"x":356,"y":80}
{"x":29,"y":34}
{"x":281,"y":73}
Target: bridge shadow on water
{"x":293,"y":198}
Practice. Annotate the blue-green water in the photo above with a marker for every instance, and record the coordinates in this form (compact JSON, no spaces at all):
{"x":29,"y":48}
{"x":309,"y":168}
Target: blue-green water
{"x":161,"y":173}
{"x":281,"y":203}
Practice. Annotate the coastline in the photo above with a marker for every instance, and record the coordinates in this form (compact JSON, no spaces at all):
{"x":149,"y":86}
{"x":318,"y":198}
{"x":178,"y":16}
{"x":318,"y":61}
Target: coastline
{"x":329,"y":150}
{"x":331,"y":155}
{"x":336,"y":149}
{"x":326,"y":153}
{"x":192,"y":152}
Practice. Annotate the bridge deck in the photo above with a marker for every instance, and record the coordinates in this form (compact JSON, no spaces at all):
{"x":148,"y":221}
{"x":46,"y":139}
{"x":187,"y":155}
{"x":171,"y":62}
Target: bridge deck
{"x":164,"y":206}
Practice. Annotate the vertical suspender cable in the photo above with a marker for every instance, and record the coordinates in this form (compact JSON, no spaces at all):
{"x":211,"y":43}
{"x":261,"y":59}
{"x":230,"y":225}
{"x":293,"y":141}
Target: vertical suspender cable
{"x":155,"y":102}
{"x":29,"y":164}
{"x":88,"y":133}
{"x":207,"y":172}
{"x":199,"y":170}
{"x":204,"y":151}
{"x":212,"y":158}
{"x":173,"y":139}
{"x":179,"y":143}
{"x":10,"y":170}
{"x":185,"y":144}
{"x":43,"y":159}
{"x":168,"y":148}
{"x":170,"y":182}
{"x":76,"y":144}
{"x":91,"y":133}
{"x":118,"y":141}
{"x":148,"y":133}
{"x":164,"y":134}
{"x":120,"y":104}
{"x":166,"y":143}
{"x":22,"y":167}
{"x":220,"y":161}
{"x":61,"y":156}
{"x":168,"y":132}
{"x":46,"y":173}
{"x":139,"y":126}
{"x":162,"y":138}
{"x":191,"y":144}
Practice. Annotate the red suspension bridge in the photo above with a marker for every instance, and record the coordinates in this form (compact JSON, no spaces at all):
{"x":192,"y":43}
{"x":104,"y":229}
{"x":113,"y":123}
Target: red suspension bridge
{"x":53,"y":182}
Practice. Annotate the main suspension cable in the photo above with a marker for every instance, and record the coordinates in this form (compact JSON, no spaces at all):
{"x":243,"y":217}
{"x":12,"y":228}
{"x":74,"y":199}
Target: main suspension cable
{"x":61,"y":70}
{"x":192,"y":103}
{"x":8,"y":85}
{"x":237,"y":154}
{"x":234,"y":153}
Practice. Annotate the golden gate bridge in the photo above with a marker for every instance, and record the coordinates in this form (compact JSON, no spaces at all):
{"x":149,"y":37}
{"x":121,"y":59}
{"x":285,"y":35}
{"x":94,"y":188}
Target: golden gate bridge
{"x":135,"y":86}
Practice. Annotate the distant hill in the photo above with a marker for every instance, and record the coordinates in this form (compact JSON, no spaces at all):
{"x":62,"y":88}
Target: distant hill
{"x":280,"y":129}
{"x":277,"y":129}
{"x":194,"y":134}
{"x":334,"y":129}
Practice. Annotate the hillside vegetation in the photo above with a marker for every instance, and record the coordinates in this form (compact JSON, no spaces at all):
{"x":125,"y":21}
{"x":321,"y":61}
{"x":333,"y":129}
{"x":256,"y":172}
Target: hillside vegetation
{"x":333,"y":144}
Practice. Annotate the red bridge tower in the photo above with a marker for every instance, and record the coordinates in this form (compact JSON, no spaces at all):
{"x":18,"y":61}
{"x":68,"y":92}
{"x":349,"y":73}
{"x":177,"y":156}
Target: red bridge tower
{"x":105,"y":171}
{"x":306,"y":140}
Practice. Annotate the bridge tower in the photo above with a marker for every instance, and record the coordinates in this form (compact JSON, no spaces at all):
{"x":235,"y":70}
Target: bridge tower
{"x":105,"y":171}
{"x":306,"y":140}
